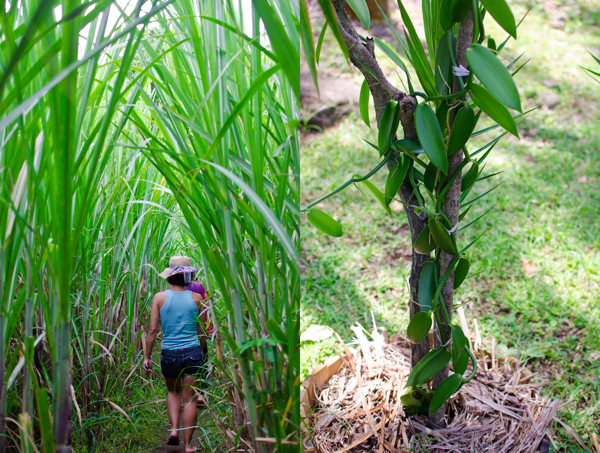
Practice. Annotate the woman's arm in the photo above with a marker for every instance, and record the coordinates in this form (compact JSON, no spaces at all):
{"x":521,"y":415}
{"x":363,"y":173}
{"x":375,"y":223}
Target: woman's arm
{"x":152,"y":333}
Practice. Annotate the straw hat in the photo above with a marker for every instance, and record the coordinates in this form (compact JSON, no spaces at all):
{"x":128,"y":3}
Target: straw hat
{"x":179,"y":265}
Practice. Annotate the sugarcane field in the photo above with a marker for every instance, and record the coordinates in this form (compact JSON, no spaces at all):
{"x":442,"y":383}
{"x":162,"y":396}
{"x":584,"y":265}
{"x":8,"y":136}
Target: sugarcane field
{"x":149,"y":269}
{"x":300,"y":226}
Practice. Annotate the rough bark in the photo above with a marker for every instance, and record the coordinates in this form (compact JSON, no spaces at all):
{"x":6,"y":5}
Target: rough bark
{"x":363,"y":55}
{"x":451,"y":209}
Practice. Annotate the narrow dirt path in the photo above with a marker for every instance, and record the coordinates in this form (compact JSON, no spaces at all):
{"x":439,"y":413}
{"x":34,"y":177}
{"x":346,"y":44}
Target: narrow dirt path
{"x":164,"y":448}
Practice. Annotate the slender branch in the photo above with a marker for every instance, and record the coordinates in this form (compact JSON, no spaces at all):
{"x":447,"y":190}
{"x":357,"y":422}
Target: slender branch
{"x":347,"y":183}
{"x":363,"y":52}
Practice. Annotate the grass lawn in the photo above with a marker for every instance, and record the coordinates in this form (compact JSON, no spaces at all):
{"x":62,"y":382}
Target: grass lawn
{"x":537,"y":290}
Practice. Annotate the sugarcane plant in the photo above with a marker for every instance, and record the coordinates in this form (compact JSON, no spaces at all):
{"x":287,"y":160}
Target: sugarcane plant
{"x":221,"y":130}
{"x":432,"y":169}
{"x":156,"y":139}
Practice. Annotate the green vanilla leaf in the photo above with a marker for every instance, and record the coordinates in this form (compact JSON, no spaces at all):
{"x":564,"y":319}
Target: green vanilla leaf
{"x":460,"y":271}
{"x":502,"y":14}
{"x":494,"y":76}
{"x":444,"y":391}
{"x":413,"y":146}
{"x":493,"y":108}
{"x":391,"y":54}
{"x":461,"y":130}
{"x":419,"y":326}
{"x":395,"y":178}
{"x":446,"y":20}
{"x":424,"y":243}
{"x":441,"y":237}
{"x":430,"y":136}
{"x":430,"y":176}
{"x":491,"y":44}
{"x":431,"y":355}
{"x":460,"y":366}
{"x":320,"y":42}
{"x":386,"y":127}
{"x":424,"y":400}
{"x":410,"y":404}
{"x":361,"y":10}
{"x":433,"y":366}
{"x":464,"y":213}
{"x":442,"y":65}
{"x":442,"y":116}
{"x":470,"y":177}
{"x":331,"y":20}
{"x":427,"y":285}
{"x":365,"y":94}
{"x":324,"y":222}
{"x":460,"y":9}
{"x":458,"y":341}
{"x":308,"y":42}
{"x":376,"y":193}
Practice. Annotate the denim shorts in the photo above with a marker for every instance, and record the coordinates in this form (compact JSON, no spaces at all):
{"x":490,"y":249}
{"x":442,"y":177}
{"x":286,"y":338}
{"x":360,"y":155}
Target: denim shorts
{"x":178,"y":362}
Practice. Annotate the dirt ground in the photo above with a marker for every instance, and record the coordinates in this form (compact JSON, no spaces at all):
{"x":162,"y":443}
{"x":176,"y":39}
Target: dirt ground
{"x":164,"y":448}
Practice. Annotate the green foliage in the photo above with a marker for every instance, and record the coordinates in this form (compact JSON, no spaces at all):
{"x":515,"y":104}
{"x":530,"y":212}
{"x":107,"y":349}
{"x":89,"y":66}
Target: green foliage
{"x":494,"y":76}
{"x":150,"y":144}
{"x":430,"y":136}
{"x":324,"y":222}
{"x":455,"y":115}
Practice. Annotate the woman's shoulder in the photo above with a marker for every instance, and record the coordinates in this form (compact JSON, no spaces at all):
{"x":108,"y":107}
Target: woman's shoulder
{"x":160,"y":297}
{"x":197,"y":298}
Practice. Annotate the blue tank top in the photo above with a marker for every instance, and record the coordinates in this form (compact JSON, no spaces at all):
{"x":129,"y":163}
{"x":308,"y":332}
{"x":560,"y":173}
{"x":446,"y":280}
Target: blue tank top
{"x":179,"y":316}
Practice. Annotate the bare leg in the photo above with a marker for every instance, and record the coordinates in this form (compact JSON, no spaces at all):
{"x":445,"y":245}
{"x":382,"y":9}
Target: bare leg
{"x":174,"y":403}
{"x":189,"y":411}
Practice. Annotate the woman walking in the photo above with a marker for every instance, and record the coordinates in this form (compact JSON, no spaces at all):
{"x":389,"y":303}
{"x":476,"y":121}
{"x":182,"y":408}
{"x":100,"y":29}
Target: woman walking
{"x":182,"y":319}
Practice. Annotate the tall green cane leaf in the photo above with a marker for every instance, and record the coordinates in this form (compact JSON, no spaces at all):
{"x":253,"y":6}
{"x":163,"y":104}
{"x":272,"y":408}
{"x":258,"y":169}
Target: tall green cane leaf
{"x":280,"y":232}
{"x":502,"y":14}
{"x":256,"y":85}
{"x":45,"y":423}
{"x":493,"y":108}
{"x":280,"y":42}
{"x":494,"y":76}
{"x":430,"y":136}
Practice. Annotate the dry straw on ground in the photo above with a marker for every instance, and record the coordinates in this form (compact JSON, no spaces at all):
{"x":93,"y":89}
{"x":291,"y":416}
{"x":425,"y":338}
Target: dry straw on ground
{"x":356,"y":405}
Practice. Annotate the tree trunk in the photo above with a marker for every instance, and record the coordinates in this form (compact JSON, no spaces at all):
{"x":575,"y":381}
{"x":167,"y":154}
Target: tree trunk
{"x":362,"y":55}
{"x":451,"y":209}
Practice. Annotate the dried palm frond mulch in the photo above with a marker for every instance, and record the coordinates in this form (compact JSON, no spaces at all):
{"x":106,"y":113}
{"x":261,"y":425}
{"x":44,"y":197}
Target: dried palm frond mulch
{"x":359,"y":410}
